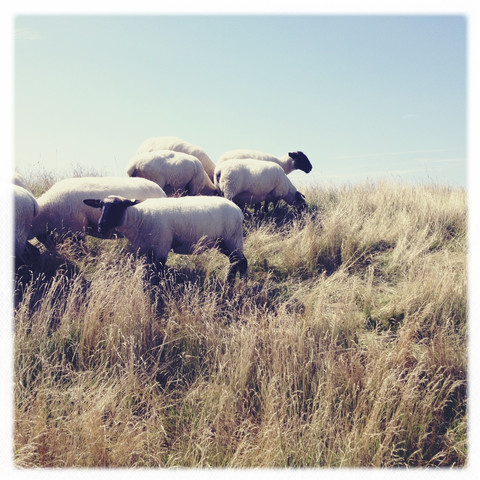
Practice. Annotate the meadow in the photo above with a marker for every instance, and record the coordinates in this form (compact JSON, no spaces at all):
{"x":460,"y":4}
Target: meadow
{"x":347,"y":347}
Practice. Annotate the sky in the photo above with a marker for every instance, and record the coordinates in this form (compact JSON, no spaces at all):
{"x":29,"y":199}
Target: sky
{"x":365,"y":96}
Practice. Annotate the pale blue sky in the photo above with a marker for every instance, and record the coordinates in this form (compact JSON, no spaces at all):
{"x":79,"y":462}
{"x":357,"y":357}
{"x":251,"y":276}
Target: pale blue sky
{"x":364,"y":97}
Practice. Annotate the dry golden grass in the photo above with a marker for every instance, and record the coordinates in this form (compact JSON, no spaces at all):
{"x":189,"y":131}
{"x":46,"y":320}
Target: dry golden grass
{"x":347,"y":347}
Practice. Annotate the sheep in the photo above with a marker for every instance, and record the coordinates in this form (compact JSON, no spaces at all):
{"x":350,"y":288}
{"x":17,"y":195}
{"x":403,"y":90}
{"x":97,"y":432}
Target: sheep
{"x":182,"y":224}
{"x":250,"y":181}
{"x":291,"y":161}
{"x":172,"y":171}
{"x":178,"y":145}
{"x":26,"y":208}
{"x":61,"y":208}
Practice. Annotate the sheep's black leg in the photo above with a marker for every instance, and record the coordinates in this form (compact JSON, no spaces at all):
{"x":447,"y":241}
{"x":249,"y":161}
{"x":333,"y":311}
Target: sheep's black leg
{"x":31,"y":252}
{"x":189,"y":188}
{"x":155,"y":268}
{"x":238,"y":263}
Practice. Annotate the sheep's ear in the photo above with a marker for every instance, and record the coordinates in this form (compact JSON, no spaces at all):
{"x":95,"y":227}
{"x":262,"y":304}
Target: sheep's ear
{"x":93,"y":203}
{"x":133,"y":201}
{"x":300,"y":196}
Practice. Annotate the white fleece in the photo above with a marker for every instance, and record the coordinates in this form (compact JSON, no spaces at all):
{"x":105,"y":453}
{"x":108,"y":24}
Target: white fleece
{"x":248,"y":181}
{"x":179,"y":224}
{"x":286,"y":162}
{"x":61,"y":208}
{"x":26,"y":208}
{"x":178,"y":145}
{"x":170,"y":170}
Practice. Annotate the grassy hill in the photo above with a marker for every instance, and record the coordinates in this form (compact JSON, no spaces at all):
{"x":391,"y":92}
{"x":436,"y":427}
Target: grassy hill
{"x":346,"y":348}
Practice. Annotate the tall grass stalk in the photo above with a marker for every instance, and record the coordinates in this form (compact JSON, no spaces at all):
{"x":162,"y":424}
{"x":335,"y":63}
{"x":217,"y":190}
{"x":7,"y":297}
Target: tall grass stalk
{"x":347,"y":347}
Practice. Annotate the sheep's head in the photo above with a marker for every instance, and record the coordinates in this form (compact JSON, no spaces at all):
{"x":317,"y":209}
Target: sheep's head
{"x":301,"y":161}
{"x":113,"y":211}
{"x":299,"y":201}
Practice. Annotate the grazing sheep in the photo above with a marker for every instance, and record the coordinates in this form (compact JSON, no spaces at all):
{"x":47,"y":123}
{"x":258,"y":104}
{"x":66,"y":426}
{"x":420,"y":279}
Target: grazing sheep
{"x":172,"y":171}
{"x":156,"y":226}
{"x":178,"y":145}
{"x":26,"y":208}
{"x":290,"y":162}
{"x":61,"y":208}
{"x":249,"y":181}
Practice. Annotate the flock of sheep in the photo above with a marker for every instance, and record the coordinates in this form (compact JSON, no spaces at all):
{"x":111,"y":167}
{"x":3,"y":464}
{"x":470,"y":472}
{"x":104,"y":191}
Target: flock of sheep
{"x":145,"y":209}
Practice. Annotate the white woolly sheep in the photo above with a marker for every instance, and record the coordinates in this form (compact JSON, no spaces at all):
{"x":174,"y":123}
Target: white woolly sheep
{"x":185,"y":224}
{"x":61,"y":208}
{"x":290,"y":162}
{"x":249,"y":181}
{"x":26,"y":208}
{"x":172,"y":171}
{"x":178,"y":145}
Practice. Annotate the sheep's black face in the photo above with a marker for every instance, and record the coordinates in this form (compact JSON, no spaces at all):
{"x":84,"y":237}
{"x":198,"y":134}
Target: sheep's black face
{"x":112,"y":216}
{"x":300,"y":202}
{"x":113,"y":210}
{"x":301,"y":161}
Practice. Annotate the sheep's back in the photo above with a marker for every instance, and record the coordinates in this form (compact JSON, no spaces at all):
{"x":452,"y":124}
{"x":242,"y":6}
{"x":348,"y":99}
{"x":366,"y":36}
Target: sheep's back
{"x":167,"y":167}
{"x":61,"y":207}
{"x":246,"y":154}
{"x":191,"y":218}
{"x":178,"y":145}
{"x":250,"y":175}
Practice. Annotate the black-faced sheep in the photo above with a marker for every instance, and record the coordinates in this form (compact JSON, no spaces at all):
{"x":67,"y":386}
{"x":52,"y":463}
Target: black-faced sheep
{"x":61,"y":208}
{"x":248,"y":181}
{"x":185,"y":224}
{"x":290,"y":162}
